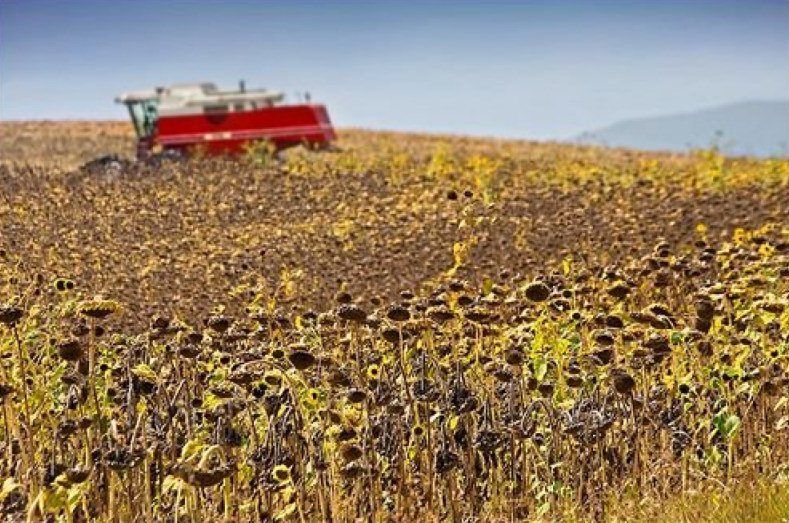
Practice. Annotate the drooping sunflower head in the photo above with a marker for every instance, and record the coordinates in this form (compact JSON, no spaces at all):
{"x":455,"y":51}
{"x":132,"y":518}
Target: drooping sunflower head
{"x":98,"y":309}
{"x":281,"y":474}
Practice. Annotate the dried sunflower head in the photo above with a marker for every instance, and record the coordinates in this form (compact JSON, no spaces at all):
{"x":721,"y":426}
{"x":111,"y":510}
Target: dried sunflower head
{"x":350,"y":312}
{"x":218,"y":323}
{"x":618,"y":290}
{"x":10,"y":315}
{"x":302,"y":359}
{"x":70,"y":349}
{"x":440,"y":314}
{"x":98,"y":309}
{"x":356,"y":396}
{"x":537,"y":291}
{"x":281,"y":474}
{"x":623,"y":382}
{"x":398,"y":313}
{"x":351,"y":452}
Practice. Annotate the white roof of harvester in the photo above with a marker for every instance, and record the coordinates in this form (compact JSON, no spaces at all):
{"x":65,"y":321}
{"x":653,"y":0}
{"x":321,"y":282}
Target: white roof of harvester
{"x":194,"y":97}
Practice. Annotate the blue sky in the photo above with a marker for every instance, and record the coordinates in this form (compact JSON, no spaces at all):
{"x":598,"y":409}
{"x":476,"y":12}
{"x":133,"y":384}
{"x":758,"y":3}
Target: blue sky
{"x":540,"y":69}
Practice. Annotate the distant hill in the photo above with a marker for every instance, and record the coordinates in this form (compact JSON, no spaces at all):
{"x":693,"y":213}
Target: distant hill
{"x":759,"y":128}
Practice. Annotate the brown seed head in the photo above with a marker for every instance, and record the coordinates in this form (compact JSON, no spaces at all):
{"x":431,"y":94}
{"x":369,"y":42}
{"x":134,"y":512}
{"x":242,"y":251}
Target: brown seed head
{"x":10,"y":315}
{"x":537,"y":291}
{"x":398,"y":313}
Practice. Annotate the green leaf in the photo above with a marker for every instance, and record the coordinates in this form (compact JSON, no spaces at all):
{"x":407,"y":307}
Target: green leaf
{"x":540,"y":367}
{"x":726,"y":424}
{"x":731,"y":425}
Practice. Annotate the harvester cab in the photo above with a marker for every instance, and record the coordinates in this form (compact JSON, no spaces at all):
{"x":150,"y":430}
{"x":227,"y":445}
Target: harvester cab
{"x":187,"y":117}
{"x":143,"y":110}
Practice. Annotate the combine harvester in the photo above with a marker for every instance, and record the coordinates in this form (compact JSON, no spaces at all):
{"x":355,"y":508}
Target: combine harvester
{"x":174,"y":122}
{"x":184,"y":118}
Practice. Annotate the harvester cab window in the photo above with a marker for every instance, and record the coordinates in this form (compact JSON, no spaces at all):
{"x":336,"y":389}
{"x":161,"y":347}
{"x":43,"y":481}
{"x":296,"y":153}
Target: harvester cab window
{"x":144,"y":115}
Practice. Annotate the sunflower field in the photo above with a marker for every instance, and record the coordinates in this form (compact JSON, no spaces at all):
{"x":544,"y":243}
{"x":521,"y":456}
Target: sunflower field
{"x":404,"y":328}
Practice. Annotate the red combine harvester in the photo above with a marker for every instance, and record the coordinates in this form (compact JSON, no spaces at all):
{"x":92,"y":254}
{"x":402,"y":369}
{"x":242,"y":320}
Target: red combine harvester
{"x":187,"y":117}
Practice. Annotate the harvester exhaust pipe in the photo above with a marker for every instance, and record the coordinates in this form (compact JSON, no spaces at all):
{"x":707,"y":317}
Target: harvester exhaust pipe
{"x":242,"y":86}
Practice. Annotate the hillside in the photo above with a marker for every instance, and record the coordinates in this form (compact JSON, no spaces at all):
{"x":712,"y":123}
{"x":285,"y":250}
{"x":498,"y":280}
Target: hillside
{"x":749,"y":128}
{"x":379,"y":201}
